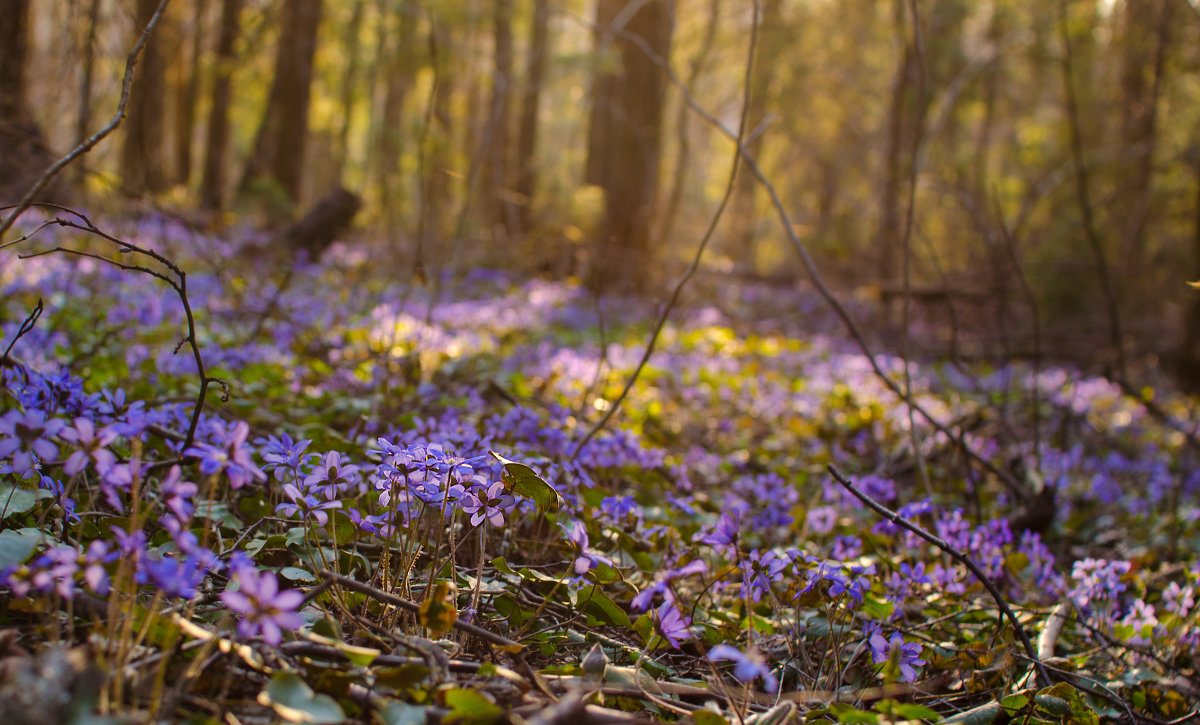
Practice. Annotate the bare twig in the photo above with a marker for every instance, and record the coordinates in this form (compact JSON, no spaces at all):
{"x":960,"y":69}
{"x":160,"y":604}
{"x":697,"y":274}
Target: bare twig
{"x":85,"y":146}
{"x":177,"y":279}
{"x":712,"y":226}
{"x":1085,"y":202}
{"x":958,"y":556}
{"x":810,"y":267}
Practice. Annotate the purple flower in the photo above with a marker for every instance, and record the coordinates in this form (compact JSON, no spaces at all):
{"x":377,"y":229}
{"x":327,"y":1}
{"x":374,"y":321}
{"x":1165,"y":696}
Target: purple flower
{"x":1178,"y":600}
{"x":284,"y":455}
{"x":588,"y":558}
{"x":488,"y":504}
{"x":747,"y":667}
{"x":661,"y":584}
{"x":92,"y":443}
{"x":306,"y":505}
{"x":822,"y":519}
{"x":28,"y":439}
{"x":178,"y":494}
{"x":264,"y":609}
{"x":672,"y":625}
{"x":230,"y":456}
{"x":759,"y":571}
{"x":331,"y":476}
{"x":724,"y":535}
{"x":896,"y":655}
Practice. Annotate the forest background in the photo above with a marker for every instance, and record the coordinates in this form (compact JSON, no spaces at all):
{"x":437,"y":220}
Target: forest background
{"x":1034,"y":166}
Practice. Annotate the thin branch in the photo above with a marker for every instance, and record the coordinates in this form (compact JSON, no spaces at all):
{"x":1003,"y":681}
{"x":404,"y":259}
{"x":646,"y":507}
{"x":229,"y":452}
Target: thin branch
{"x":85,"y":146}
{"x":810,"y":267}
{"x":1084,"y":196}
{"x":962,"y":558}
{"x":712,"y":226}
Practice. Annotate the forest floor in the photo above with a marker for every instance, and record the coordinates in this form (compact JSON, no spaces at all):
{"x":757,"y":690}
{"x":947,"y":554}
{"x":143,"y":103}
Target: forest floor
{"x":390,"y":503}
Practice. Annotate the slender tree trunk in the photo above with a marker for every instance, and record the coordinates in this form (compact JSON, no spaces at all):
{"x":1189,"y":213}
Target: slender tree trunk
{"x":143,"y":168}
{"x":188,"y":90}
{"x":773,"y":44}
{"x":14,"y":21}
{"x":498,"y":210}
{"x":83,"y":117}
{"x":682,"y":118}
{"x":535,"y":72}
{"x":627,"y":112}
{"x":216,"y":149}
{"x":282,"y":136}
{"x":403,"y":61}
{"x":349,"y":81}
{"x":1147,"y":24}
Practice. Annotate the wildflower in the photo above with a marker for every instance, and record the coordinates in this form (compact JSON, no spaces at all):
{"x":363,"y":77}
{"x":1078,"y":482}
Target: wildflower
{"x":822,"y":519}
{"x":759,"y":571}
{"x":284,"y":455}
{"x":306,"y":505}
{"x":588,"y":558}
{"x":1141,"y":621}
{"x":671,"y":624}
{"x":229,"y":457}
{"x":92,"y":443}
{"x":331,"y":476}
{"x":896,"y":654}
{"x":724,"y":535}
{"x":661,"y":585}
{"x":264,"y":609}
{"x":1097,"y":580}
{"x":488,"y":504}
{"x":746,"y":667}
{"x":28,"y":439}
{"x":178,"y":494}
{"x":1178,"y":600}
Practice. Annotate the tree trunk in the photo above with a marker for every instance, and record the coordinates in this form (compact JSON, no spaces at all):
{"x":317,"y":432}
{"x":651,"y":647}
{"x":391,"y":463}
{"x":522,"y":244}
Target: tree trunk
{"x":535,"y":73}
{"x":1146,"y":35}
{"x":14,"y":21}
{"x":349,"y":81}
{"x":499,"y":213}
{"x":23,"y":152}
{"x":402,"y":65}
{"x":773,"y":44}
{"x":283,"y":134}
{"x":143,"y":168}
{"x":83,"y":118}
{"x":217,"y":147}
{"x":624,"y":143}
{"x":187,"y":89}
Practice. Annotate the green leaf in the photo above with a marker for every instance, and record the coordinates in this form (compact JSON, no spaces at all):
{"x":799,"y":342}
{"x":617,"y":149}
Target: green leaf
{"x":401,"y":713}
{"x":468,"y":706}
{"x":16,"y":545}
{"x":296,"y":574}
{"x":17,"y":500}
{"x":708,"y":717}
{"x":522,"y":480}
{"x":911,"y":711}
{"x":294,"y":701}
{"x":594,"y":601}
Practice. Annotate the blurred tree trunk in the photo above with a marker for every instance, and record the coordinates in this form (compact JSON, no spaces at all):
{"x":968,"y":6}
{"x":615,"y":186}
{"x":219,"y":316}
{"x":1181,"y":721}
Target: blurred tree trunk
{"x":216,"y":149}
{"x":349,"y":82}
{"x":624,"y":142}
{"x":187,"y":89}
{"x":401,"y":65}
{"x":143,"y":165}
{"x":14,"y":21}
{"x":499,"y":213}
{"x":1146,"y":25}
{"x":683,"y":116}
{"x":1188,"y":360}
{"x":83,"y":118}
{"x":279,"y":145}
{"x":535,"y":73}
{"x":772,"y":46}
